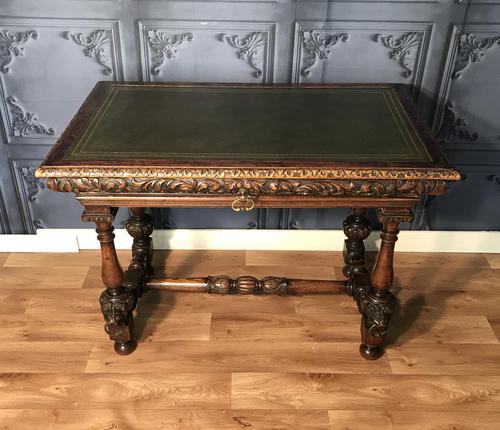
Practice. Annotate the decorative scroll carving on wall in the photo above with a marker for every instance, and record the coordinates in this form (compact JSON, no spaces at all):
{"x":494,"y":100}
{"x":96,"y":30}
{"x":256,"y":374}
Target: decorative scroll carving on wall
{"x":317,"y":47}
{"x":96,"y":45}
{"x":165,"y":46}
{"x":471,"y":49}
{"x":11,"y":45}
{"x":33,"y":184}
{"x":454,"y":128}
{"x":28,"y":190}
{"x":403,"y":49}
{"x":494,"y":178}
{"x":250,"y":49}
{"x":25,"y":123}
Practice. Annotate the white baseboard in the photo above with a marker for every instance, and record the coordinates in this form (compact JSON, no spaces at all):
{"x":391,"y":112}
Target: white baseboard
{"x":72,"y":240}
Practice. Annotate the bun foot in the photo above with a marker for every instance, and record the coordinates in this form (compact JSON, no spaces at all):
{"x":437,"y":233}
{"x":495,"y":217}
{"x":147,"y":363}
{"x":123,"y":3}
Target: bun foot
{"x":125,"y":348}
{"x":371,"y":352}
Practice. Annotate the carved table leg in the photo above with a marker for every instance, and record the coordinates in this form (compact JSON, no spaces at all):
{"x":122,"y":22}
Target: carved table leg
{"x":117,"y":302}
{"x":375,"y":302}
{"x":357,"y":228}
{"x":140,"y":227}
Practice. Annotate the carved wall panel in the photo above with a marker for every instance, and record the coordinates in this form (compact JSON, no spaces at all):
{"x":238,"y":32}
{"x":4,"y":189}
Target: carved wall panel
{"x":361,"y":51}
{"x":47,"y":66}
{"x":207,"y":51}
{"x":469,"y":99}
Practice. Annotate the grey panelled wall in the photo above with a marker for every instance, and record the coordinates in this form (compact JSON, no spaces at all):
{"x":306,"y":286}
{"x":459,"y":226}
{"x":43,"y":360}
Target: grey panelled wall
{"x":53,"y":51}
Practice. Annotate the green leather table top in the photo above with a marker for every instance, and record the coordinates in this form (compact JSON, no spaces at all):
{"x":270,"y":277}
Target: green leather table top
{"x":223,"y":123}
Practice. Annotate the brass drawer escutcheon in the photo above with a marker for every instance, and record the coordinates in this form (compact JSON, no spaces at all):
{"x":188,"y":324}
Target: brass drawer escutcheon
{"x":243,"y":202}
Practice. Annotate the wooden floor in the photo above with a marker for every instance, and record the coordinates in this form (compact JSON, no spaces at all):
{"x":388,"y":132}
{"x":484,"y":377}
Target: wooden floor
{"x":243,"y":362}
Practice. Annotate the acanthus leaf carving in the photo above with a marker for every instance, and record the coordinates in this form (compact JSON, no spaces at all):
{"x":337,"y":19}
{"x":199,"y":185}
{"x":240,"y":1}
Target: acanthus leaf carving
{"x":254,"y":187}
{"x":96,"y":45}
{"x":403,"y":49}
{"x":250,"y":49}
{"x":471,"y":49}
{"x":494,"y":178}
{"x":33,"y":184}
{"x":117,"y":307}
{"x":453,"y":127}
{"x":317,"y":47}
{"x":376,"y":309}
{"x":274,"y":173}
{"x":11,"y":45}
{"x":25,"y":123}
{"x":165,"y":46}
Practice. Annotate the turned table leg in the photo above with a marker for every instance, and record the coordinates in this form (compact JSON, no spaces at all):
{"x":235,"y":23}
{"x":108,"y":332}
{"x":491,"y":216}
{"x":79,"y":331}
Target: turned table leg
{"x":140,"y":227}
{"x":357,"y":228}
{"x":375,"y":302}
{"x":117,"y":302}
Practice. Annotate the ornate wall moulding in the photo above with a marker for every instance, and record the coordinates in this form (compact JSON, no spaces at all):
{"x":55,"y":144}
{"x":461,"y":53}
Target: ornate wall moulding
{"x":250,"y":49}
{"x":96,"y":45}
{"x":165,"y":46}
{"x":404,"y":49}
{"x":33,"y":184}
{"x":471,"y":49}
{"x":25,"y":123}
{"x":494,"y":178}
{"x":454,"y":128}
{"x":360,"y":55}
{"x":317,"y":47}
{"x":218,"y":48}
{"x":11,"y":45}
{"x":467,"y":45}
{"x":28,"y":188}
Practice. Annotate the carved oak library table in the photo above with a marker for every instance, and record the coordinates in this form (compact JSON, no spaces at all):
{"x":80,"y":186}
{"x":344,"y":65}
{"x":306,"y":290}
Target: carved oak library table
{"x":139,"y":146}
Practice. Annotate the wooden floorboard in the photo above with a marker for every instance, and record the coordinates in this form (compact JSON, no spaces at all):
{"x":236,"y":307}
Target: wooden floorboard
{"x":317,"y":327}
{"x":156,"y":419}
{"x":39,"y":259}
{"x":213,"y":362}
{"x":43,"y":277}
{"x":493,"y":260}
{"x":236,"y":356}
{"x":14,"y":301}
{"x":333,"y":391}
{"x":33,"y":357}
{"x":448,"y":359}
{"x":413,"y":420}
{"x":3,"y":257}
{"x":495,"y":324}
{"x":101,"y":391}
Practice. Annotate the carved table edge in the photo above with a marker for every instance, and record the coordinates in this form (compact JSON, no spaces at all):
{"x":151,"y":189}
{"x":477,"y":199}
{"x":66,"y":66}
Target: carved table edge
{"x":254,"y":187}
{"x":340,"y":173}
